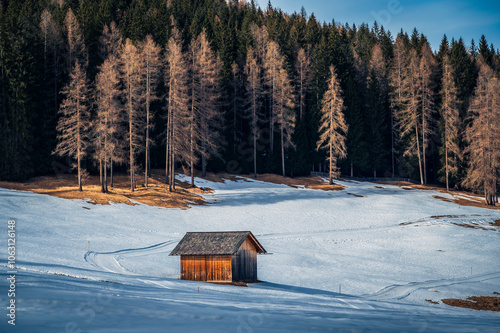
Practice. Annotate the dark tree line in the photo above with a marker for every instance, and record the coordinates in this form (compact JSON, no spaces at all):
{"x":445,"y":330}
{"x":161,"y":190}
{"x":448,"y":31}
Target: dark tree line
{"x":409,"y":111}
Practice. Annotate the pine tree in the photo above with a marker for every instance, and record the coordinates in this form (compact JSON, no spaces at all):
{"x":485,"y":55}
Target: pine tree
{"x":451,"y":122}
{"x":109,"y":132}
{"x":254,"y":91}
{"x":133,"y":97}
{"x":150,"y":55}
{"x":333,"y":127}
{"x":74,"y":121}
{"x":483,"y":135}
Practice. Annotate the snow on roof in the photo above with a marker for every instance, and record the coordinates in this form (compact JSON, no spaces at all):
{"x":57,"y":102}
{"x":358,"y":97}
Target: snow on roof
{"x":214,"y":243}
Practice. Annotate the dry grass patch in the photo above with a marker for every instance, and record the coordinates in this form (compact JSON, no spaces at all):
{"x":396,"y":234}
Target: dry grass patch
{"x":156,"y":194}
{"x":489,"y":303}
{"x":462,"y":198}
{"x":311,"y":182}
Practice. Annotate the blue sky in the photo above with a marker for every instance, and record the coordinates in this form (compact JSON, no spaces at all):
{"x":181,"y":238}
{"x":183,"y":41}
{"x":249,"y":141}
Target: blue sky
{"x":458,"y":18}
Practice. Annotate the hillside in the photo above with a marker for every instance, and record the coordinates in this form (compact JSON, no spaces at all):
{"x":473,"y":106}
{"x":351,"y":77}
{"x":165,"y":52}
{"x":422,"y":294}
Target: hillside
{"x":368,"y":258}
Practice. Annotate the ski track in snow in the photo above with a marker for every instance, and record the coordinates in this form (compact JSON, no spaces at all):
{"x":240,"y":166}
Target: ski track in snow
{"x":397,"y":291}
{"x":110,"y":261}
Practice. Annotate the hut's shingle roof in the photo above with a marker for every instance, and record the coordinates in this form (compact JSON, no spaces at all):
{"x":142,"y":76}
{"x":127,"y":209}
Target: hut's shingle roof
{"x":214,"y":243}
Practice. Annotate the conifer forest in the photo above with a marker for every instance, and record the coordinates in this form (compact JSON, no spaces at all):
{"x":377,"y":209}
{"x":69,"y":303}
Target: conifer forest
{"x":126,"y":86}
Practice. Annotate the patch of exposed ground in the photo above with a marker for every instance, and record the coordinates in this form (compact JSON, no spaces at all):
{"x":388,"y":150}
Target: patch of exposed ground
{"x":462,"y":198}
{"x":156,"y":194}
{"x":311,"y":182}
{"x":489,"y":303}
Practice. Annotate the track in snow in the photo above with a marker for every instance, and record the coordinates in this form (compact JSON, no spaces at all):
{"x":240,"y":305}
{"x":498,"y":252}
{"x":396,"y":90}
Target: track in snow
{"x":110,"y":261}
{"x":397,"y":291}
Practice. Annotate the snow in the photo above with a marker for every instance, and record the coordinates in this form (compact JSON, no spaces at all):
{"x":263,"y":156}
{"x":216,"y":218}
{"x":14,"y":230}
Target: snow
{"x":364,"y":259}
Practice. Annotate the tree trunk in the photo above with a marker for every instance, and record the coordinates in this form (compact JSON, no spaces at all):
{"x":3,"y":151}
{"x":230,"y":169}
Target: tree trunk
{"x":106,"y":175}
{"x":330,"y":173}
{"x":101,"y":176}
{"x":282,"y":153}
{"x":423,"y":150}
{"x":446,"y":166}
{"x":419,"y":158}
{"x":392,"y":145}
{"x":111,"y":174}
{"x":254,"y":155}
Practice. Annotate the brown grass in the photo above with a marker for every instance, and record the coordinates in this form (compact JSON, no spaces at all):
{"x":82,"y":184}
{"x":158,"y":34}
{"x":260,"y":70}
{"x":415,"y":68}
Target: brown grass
{"x":496,"y":223}
{"x":311,"y":182}
{"x":489,"y":303}
{"x":156,"y":194}
{"x":476,"y":201}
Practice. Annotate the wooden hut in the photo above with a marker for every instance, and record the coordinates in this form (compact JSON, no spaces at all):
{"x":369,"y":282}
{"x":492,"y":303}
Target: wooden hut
{"x":219,"y":256}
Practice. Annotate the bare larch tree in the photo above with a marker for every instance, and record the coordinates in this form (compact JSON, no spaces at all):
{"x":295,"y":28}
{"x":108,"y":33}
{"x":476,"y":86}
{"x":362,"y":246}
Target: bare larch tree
{"x":254,"y":91}
{"x":179,"y":135}
{"x":427,"y":100}
{"x":133,"y":97}
{"x":333,"y":127}
{"x":398,"y":92}
{"x":483,"y":135}
{"x":108,"y":128}
{"x":303,"y":80}
{"x":451,"y":121}
{"x":285,"y":114}
{"x":76,"y":49}
{"x":52,"y":42}
{"x":206,"y":98}
{"x":74,"y":121}
{"x":111,"y":41}
{"x":150,"y":69}
{"x":409,"y":115}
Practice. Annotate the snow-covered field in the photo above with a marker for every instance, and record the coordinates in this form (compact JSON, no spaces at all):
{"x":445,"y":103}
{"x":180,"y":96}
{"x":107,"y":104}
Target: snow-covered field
{"x":364,"y":259}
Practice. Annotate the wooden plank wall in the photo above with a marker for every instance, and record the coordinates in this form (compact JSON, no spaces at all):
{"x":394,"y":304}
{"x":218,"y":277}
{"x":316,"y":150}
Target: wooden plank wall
{"x":245,"y":263}
{"x":206,"y":268}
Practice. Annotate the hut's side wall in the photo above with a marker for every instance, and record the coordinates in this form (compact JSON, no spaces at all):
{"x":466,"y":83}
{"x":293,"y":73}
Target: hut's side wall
{"x":206,"y":268}
{"x":245,"y":262}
